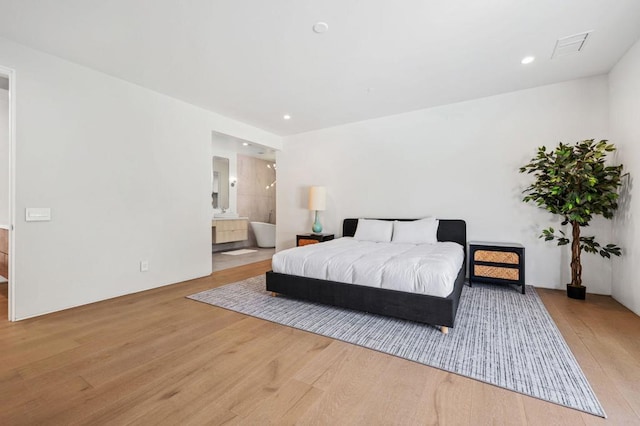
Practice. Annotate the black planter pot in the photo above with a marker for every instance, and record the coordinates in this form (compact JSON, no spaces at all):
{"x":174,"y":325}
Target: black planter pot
{"x":574,"y":292}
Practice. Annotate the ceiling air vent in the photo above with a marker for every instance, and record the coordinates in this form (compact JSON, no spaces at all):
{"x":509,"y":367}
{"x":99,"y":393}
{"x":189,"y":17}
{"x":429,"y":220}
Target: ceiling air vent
{"x":570,"y":45}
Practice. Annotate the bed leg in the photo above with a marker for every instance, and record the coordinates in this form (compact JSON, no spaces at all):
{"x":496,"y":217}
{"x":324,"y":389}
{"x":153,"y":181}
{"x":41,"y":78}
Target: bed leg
{"x":444,"y":329}
{"x":274,"y":294}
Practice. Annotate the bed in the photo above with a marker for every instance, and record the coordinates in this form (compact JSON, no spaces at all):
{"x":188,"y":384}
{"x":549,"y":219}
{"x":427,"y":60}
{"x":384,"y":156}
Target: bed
{"x":435,"y":310}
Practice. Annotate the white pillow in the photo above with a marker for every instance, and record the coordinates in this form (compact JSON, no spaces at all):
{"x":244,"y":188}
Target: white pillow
{"x":374,"y":230}
{"x":423,"y":231}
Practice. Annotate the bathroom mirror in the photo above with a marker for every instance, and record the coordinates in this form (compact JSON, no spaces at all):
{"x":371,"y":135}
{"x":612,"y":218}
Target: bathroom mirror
{"x":220,"y":183}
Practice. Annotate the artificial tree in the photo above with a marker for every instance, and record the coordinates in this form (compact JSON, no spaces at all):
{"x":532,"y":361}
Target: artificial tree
{"x":575,"y":182}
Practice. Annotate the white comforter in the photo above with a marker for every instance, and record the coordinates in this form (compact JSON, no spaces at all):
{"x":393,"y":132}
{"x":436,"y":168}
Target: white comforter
{"x":417,"y":268}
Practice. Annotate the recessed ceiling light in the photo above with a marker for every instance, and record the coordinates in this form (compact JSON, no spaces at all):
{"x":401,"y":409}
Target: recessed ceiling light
{"x":527,"y":60}
{"x":320,"y":27}
{"x":245,"y":143}
{"x":286,"y":117}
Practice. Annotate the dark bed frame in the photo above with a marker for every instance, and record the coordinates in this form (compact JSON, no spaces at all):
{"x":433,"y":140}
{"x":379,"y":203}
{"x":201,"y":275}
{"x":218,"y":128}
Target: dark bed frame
{"x":439,"y":311}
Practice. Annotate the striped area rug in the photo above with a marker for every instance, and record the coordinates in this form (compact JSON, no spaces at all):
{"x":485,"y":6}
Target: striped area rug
{"x":501,"y":337}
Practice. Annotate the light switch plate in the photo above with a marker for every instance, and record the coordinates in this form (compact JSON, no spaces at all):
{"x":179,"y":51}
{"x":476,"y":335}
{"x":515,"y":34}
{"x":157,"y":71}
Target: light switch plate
{"x":37,"y":214}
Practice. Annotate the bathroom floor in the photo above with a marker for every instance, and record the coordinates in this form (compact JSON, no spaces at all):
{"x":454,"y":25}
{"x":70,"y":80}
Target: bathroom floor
{"x":4,"y":298}
{"x":225,"y":261}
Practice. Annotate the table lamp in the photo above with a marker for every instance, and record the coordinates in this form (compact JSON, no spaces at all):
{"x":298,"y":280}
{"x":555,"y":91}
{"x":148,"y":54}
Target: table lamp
{"x":317,"y":202}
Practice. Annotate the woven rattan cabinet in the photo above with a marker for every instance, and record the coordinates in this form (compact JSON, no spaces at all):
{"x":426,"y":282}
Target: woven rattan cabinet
{"x":501,"y":263}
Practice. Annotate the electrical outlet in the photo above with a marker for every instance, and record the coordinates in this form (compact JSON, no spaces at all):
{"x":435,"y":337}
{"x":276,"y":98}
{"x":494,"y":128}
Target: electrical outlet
{"x":144,"y":265}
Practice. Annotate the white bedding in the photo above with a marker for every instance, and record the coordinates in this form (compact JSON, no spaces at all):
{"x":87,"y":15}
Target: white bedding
{"x":417,"y":268}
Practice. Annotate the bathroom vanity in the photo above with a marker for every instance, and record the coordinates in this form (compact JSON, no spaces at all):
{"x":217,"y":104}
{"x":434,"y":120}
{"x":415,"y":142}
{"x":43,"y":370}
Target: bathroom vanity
{"x":228,"y":230}
{"x":4,"y":252}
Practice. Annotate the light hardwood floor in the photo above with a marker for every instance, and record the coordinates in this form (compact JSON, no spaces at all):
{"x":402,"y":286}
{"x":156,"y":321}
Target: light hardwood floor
{"x":158,"y":358}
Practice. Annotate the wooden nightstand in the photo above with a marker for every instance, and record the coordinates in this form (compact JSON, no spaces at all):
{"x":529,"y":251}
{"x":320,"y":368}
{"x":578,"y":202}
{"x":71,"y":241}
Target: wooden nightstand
{"x":304,"y":239}
{"x":501,"y":263}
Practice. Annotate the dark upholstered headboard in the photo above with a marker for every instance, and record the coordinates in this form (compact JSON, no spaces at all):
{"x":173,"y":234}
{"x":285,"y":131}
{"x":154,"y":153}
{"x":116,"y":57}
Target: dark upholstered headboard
{"x":448,"y":230}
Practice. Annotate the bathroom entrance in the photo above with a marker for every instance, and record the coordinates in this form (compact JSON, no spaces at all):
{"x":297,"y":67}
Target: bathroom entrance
{"x":6,"y":177}
{"x":243,"y":199}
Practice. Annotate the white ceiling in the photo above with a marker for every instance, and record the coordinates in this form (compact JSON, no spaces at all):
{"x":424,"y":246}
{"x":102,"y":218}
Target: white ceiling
{"x":227,"y":143}
{"x":255,"y":60}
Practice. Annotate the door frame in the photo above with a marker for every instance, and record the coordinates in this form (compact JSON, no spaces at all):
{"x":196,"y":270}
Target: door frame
{"x":11,"y":75}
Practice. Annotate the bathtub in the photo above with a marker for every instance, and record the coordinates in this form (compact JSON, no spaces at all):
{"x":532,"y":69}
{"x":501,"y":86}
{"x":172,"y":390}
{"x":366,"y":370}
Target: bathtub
{"x":265,"y":234}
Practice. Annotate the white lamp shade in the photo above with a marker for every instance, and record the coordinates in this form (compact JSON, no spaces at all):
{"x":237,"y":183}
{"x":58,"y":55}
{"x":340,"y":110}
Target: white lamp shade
{"x":317,"y":198}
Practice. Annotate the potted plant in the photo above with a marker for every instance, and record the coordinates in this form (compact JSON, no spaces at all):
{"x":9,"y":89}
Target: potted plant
{"x":574,"y":182}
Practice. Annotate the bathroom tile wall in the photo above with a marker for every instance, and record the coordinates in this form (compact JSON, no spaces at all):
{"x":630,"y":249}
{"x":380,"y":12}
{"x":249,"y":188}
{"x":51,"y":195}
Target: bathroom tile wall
{"x":254,"y":200}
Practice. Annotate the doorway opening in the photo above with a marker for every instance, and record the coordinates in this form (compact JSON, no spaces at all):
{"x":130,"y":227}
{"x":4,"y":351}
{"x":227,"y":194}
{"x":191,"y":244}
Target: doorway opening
{"x":243,"y":199}
{"x":7,"y":150}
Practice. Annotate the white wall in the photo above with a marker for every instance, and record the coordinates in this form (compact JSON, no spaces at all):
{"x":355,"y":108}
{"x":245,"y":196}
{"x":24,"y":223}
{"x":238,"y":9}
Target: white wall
{"x":126,"y":172}
{"x":456,"y":161}
{"x":4,"y":158}
{"x":624,"y":83}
